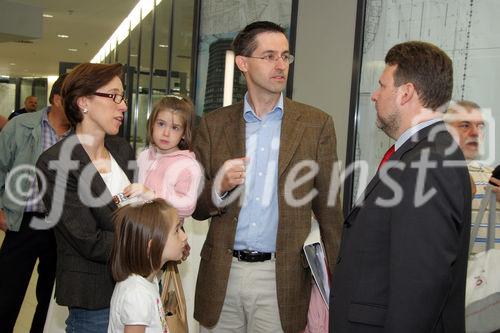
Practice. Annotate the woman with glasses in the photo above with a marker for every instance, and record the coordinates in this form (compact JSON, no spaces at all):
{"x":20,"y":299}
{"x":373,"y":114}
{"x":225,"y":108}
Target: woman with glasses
{"x":83,"y":173}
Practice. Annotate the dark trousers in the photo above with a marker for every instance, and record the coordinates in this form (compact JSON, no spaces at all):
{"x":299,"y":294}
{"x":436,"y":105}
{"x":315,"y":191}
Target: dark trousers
{"x":18,"y":256}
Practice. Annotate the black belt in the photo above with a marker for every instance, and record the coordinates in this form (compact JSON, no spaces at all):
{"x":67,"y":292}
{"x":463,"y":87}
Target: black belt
{"x":252,"y":256}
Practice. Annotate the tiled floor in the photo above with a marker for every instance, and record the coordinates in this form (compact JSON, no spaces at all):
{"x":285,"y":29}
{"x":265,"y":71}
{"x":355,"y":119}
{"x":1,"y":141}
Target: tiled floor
{"x":28,"y":309}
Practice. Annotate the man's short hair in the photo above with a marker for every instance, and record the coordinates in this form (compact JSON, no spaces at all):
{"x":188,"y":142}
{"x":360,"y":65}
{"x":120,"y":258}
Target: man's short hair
{"x":56,"y":87}
{"x":456,"y":110}
{"x":427,"y":67}
{"x":465,"y":104}
{"x":244,"y":44}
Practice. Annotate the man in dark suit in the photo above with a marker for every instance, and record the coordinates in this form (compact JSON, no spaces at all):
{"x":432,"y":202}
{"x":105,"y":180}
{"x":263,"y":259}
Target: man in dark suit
{"x":261,"y":187}
{"x":403,"y":258}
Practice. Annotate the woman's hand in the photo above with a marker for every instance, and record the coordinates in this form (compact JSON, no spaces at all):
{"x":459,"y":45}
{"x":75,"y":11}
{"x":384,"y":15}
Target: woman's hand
{"x":140,"y":191}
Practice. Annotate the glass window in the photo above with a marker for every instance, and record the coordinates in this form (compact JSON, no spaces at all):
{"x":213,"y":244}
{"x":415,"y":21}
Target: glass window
{"x":162,"y":50}
{"x":462,"y":28}
{"x":182,"y":47}
{"x":122,"y":58}
{"x":122,"y":52}
{"x":7,"y":98}
{"x":133,"y":72}
{"x":40,"y":91}
{"x":143,"y":89}
{"x":220,"y":21}
{"x":148,"y":73}
{"x":26,"y":90}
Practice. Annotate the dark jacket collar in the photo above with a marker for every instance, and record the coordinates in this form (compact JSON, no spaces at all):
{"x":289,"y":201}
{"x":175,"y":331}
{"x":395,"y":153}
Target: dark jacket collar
{"x":425,"y":133}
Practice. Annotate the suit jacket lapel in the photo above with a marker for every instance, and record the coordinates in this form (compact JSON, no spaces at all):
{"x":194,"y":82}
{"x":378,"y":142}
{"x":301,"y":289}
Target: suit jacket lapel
{"x":407,"y":146}
{"x":376,"y":178}
{"x":97,"y":186}
{"x":120,"y":159}
{"x":291,"y":134}
{"x":234,"y":130}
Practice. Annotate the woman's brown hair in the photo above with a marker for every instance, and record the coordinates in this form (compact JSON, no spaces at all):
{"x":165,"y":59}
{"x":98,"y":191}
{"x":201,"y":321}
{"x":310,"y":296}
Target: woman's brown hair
{"x":136,"y":225}
{"x":181,"y":106}
{"x":84,"y":80}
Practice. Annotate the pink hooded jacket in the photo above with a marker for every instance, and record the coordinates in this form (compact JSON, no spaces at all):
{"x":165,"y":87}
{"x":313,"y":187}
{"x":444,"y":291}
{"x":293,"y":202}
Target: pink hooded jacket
{"x":174,"y":177}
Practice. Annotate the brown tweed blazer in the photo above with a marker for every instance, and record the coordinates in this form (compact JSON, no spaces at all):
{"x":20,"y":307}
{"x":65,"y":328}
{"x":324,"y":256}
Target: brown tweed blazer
{"x":306,"y":134}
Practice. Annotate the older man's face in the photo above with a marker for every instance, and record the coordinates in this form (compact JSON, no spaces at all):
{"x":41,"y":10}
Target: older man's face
{"x":467,"y":126}
{"x":31,"y":103}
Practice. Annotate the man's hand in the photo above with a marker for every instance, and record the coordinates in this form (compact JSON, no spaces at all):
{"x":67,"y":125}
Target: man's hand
{"x":496,"y":189}
{"x":231,"y":175}
{"x":3,"y":221}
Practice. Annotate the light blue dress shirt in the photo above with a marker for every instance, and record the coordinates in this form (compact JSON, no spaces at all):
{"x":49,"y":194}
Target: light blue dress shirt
{"x":412,"y":130}
{"x":258,"y":219}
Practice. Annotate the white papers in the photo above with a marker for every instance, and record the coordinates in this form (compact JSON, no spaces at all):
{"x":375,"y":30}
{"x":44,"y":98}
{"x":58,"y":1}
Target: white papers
{"x":315,"y":255}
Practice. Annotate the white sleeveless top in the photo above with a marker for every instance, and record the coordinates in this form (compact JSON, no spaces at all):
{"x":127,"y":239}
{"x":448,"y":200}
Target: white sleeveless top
{"x":116,"y":180}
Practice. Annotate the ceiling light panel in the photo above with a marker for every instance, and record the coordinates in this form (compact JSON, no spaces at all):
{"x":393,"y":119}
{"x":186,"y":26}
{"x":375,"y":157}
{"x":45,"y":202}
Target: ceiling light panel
{"x":130,"y":22}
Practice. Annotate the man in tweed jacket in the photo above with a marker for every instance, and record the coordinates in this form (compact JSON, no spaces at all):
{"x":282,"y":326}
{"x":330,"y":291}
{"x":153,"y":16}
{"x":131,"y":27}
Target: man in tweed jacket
{"x":268,"y":166}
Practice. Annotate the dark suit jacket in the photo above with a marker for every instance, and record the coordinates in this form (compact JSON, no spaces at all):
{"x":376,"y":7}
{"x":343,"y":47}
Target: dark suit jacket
{"x":84,"y":234}
{"x":402,"y":268}
{"x":306,"y":134}
{"x":17,"y":113}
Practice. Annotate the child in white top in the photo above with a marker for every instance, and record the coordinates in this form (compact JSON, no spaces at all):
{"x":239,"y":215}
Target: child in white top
{"x":146,"y":236}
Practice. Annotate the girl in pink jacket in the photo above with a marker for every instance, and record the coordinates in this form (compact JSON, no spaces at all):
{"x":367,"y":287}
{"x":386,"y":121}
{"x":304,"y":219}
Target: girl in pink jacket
{"x":168,"y":167}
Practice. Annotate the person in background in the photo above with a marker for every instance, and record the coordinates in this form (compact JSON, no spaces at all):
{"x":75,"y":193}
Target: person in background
{"x":147,"y":235}
{"x":253,"y":276}
{"x":3,"y":121}
{"x":22,"y":141}
{"x":83,"y":192}
{"x":30,"y":105}
{"x":403,"y":259}
{"x":496,"y":190}
{"x":466,"y":122}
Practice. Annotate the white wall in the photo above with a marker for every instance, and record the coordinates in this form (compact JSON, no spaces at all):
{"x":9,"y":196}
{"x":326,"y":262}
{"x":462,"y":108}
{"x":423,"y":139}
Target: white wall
{"x":323,"y":67}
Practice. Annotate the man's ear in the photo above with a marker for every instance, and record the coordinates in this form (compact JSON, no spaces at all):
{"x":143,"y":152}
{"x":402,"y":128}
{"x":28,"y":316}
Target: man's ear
{"x":406,"y":93}
{"x":241,"y":62}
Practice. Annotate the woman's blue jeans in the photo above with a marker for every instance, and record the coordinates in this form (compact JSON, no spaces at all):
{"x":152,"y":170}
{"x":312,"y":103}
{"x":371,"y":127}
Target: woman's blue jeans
{"x":87,"y":321}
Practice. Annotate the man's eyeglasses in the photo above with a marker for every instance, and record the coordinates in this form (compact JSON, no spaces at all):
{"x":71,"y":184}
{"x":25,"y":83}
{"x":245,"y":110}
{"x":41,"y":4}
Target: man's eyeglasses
{"x":117,"y":98}
{"x":272,"y":58}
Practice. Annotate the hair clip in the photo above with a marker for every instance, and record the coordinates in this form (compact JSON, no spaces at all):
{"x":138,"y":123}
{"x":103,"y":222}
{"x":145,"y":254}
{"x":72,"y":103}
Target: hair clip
{"x":180,"y":98}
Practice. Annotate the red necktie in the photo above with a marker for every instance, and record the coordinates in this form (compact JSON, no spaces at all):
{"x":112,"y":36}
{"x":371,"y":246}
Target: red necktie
{"x":387,"y":156}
